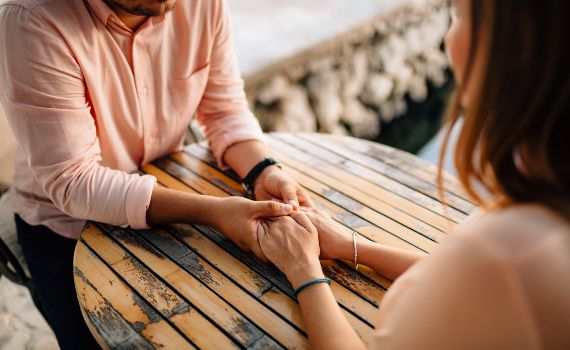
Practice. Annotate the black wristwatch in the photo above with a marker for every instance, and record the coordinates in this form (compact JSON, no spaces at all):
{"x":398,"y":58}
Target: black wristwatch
{"x":248,"y":181}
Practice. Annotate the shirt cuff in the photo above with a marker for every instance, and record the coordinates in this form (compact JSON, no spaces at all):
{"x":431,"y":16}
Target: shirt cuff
{"x":138,"y":201}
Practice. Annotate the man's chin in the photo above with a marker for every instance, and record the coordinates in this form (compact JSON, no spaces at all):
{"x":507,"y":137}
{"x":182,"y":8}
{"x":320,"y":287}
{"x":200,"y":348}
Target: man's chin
{"x":146,"y":8}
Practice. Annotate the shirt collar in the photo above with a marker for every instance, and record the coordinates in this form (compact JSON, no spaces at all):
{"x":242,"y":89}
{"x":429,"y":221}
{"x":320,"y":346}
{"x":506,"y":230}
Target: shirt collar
{"x":101,"y":10}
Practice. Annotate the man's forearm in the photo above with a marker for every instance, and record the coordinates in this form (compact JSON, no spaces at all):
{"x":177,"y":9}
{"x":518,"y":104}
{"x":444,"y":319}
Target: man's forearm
{"x":167,"y":206}
{"x":243,"y":156}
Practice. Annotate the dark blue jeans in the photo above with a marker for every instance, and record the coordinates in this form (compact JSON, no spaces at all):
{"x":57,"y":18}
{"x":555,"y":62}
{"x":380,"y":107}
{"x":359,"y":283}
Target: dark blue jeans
{"x":50,"y":260}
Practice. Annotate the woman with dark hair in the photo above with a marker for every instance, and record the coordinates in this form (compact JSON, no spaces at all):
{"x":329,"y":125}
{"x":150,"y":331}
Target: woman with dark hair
{"x":502,"y":279}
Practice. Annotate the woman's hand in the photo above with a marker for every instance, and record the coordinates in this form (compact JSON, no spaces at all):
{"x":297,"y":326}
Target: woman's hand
{"x":292,"y":244}
{"x":277,"y":184}
{"x":240,"y":220}
{"x":335,"y":241}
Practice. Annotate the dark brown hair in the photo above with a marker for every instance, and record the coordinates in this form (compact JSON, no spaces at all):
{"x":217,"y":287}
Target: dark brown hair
{"x":516,"y":134}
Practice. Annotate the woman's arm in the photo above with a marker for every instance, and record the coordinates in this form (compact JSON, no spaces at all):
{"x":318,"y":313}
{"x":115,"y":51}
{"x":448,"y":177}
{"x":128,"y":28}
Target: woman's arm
{"x":336,"y":242}
{"x":325,"y":323}
{"x":387,"y":261}
{"x":292,"y":244}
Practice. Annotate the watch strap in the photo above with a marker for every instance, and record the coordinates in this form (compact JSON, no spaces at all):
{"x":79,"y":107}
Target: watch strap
{"x":249,"y":180}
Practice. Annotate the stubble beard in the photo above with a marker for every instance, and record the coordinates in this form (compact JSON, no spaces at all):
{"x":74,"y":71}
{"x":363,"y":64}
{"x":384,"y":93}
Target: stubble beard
{"x":139,"y":10}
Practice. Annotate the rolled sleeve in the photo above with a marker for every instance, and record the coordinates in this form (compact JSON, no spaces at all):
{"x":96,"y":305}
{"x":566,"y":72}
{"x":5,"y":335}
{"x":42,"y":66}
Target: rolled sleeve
{"x":138,"y":201}
{"x":224,"y":111}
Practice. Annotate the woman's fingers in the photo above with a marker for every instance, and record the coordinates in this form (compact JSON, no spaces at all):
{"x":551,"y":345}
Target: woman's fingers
{"x":304,"y":221}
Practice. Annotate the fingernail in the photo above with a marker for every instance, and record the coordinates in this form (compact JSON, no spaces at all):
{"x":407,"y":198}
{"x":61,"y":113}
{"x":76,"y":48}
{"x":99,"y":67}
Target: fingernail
{"x":287,"y":207}
{"x":294,"y":203}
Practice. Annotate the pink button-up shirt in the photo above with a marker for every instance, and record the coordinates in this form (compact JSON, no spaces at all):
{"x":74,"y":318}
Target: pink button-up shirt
{"x":90,"y":101}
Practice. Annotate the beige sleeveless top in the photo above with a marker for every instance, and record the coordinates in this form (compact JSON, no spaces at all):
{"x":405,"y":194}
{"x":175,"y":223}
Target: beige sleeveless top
{"x":501,"y":281}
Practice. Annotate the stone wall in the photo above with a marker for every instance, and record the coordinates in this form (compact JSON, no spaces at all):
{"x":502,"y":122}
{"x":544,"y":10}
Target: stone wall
{"x":357,"y":82}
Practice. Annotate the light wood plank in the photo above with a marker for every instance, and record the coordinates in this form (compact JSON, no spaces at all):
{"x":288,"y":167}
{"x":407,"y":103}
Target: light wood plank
{"x":108,"y":324}
{"x":213,"y":175}
{"x":224,"y":316}
{"x":425,"y":241}
{"x":380,"y":186}
{"x":403,"y":161}
{"x":428,"y":188}
{"x":412,"y":216}
{"x":212,"y":290}
{"x":139,"y":313}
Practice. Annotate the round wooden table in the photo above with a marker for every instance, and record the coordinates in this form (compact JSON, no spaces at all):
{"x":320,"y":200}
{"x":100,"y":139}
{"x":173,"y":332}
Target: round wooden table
{"x":187,"y":286}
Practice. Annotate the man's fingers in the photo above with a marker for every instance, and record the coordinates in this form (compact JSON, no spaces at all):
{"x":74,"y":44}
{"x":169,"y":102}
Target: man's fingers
{"x":304,"y":221}
{"x":271,"y":208}
{"x":289,"y":194}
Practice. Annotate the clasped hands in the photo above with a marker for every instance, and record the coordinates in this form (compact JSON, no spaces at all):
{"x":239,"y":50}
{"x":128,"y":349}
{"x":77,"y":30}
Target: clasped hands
{"x":283,"y":227}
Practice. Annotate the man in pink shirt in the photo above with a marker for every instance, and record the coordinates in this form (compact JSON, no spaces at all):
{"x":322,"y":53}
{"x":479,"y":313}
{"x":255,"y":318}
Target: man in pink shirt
{"x":94,"y":89}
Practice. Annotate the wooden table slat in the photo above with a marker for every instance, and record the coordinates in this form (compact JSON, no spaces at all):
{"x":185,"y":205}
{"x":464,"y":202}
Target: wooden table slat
{"x":399,"y":223}
{"x":401,"y":160}
{"x":381,"y":186}
{"x":106,"y":324}
{"x":228,"y":290}
{"x":142,"y":320}
{"x":408,"y":214}
{"x":281,"y":303}
{"x":190,"y":322}
{"x":192,"y":290}
{"x":426,"y":186}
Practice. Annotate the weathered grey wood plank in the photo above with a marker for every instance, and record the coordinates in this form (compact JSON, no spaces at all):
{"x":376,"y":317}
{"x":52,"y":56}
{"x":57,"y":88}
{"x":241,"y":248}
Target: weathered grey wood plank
{"x":420,"y":184}
{"x":401,"y":160}
{"x":191,"y":289}
{"x":386,"y":187}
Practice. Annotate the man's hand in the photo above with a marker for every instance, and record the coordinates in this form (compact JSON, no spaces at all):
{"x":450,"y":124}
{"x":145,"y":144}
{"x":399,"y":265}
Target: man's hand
{"x":240,"y":220}
{"x":276,"y":184}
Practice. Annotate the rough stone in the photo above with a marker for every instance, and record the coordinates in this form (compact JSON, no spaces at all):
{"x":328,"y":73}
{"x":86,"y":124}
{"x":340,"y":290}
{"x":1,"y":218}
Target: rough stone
{"x":390,"y":109}
{"x":274,"y":90}
{"x":295,"y":114}
{"x":362,"y":121}
{"x":377,"y":89}
{"x":418,"y":88}
{"x":324,"y":91}
{"x":354,"y":74}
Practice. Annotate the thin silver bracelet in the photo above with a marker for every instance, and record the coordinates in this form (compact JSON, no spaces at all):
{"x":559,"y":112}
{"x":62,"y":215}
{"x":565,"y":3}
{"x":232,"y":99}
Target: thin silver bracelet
{"x":355,"y":250}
